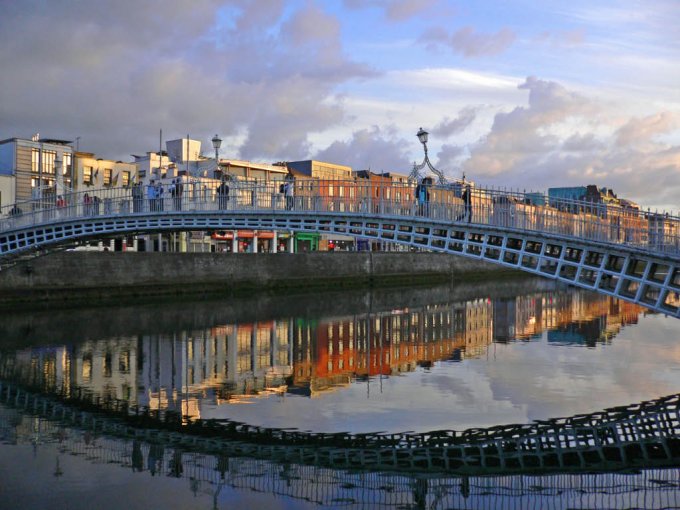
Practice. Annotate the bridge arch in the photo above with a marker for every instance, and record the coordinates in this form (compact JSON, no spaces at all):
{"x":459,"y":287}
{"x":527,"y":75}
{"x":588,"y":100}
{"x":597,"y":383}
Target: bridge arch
{"x":575,"y":249}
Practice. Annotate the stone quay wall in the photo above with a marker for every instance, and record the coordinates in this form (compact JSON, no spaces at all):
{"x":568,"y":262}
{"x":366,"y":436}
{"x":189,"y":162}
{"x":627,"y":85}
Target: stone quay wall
{"x":106,"y":274}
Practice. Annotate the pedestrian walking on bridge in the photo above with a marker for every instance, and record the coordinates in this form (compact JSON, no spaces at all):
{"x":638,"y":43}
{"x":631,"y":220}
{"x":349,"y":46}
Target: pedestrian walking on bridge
{"x":223,"y":195}
{"x":289,"y":191}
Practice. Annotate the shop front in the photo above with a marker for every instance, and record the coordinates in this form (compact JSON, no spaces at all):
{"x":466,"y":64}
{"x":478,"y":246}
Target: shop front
{"x":265,"y":242}
{"x":247,"y":241}
{"x":306,"y":242}
{"x":283,"y":242}
{"x":222,"y":241}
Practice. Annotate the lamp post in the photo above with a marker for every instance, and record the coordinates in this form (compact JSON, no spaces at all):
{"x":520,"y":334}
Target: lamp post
{"x":217,"y":142}
{"x":415,"y":173}
{"x":422,"y":137}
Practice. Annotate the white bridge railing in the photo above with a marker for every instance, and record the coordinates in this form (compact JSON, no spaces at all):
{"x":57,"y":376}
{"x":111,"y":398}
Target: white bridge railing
{"x":657,"y":233}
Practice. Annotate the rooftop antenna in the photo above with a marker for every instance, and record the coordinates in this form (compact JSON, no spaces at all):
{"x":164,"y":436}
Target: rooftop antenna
{"x":160,"y":152}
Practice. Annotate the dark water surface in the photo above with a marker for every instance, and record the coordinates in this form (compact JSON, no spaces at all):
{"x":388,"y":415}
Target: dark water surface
{"x":418,"y":359}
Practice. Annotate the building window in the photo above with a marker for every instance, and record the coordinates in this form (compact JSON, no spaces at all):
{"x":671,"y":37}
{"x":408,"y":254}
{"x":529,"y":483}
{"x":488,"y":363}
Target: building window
{"x":87,"y":368}
{"x":46,"y":183}
{"x":126,"y":178}
{"x":35,"y":160}
{"x":67,"y":168}
{"x":48,"y":158}
{"x":87,"y":175}
{"x":124,"y":362}
{"x":108,"y":367}
{"x":107,"y":176}
{"x":68,"y":160}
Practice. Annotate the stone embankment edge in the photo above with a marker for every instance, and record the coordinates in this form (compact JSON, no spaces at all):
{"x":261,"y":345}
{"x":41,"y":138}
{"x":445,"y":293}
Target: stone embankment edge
{"x":88,"y":276}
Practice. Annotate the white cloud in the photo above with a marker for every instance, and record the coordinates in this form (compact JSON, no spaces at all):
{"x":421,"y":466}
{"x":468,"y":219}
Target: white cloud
{"x":523,"y":147}
{"x":394,"y":10}
{"x":102,"y":73}
{"x":468,"y":42}
{"x":561,"y":38}
{"x":275,"y":81}
{"x":380,"y":150}
{"x":449,"y":127}
{"x":454,"y":79}
{"x":642,"y":132}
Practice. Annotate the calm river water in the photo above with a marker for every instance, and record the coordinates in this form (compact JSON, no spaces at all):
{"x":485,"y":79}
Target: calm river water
{"x":393,"y":360}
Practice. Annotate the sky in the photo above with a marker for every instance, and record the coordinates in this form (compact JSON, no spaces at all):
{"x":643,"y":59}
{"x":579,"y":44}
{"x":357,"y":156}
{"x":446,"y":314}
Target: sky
{"x":515,"y":93}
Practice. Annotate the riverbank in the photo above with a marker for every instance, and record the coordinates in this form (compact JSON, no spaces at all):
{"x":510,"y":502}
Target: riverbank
{"x":86,"y":276}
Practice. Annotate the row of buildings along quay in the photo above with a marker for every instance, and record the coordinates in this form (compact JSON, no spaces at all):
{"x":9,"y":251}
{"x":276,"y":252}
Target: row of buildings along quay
{"x":54,"y":171}
{"x":189,"y":370}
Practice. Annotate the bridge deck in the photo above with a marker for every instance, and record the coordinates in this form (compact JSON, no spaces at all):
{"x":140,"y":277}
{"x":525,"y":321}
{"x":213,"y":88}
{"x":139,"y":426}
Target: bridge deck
{"x":625,"y":253}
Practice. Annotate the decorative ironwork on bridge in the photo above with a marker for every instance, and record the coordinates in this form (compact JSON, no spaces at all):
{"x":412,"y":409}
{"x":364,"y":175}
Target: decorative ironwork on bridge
{"x":622,"y":252}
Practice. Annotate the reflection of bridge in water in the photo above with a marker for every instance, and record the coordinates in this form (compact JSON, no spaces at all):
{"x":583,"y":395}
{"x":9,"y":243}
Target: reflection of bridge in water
{"x":631,"y":438}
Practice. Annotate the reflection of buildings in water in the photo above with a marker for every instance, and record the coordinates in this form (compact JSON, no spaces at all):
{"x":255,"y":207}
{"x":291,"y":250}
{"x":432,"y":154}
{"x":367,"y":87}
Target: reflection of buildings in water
{"x":574,"y":317}
{"x":105,"y":367}
{"x":47,"y":367}
{"x":188,"y":369}
{"x":193,"y":368}
{"x":328,"y":353}
{"x":478,"y":326}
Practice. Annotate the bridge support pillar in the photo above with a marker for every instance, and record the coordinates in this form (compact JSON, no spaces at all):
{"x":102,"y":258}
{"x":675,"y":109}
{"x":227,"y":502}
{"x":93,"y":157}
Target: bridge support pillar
{"x":234,"y":241}
{"x":275,"y":242}
{"x":254,"y":249}
{"x":291,"y":242}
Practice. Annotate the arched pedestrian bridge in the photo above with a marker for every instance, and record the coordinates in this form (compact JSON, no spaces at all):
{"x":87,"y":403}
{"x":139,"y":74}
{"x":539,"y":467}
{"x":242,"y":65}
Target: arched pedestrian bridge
{"x":624,"y":252}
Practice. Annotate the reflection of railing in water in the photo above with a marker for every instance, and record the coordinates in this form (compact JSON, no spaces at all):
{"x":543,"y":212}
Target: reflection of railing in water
{"x":167,"y":455}
{"x":639,"y":435}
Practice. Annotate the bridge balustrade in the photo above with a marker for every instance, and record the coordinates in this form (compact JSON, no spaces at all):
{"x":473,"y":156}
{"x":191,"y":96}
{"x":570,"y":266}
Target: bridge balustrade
{"x":654,"y":232}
